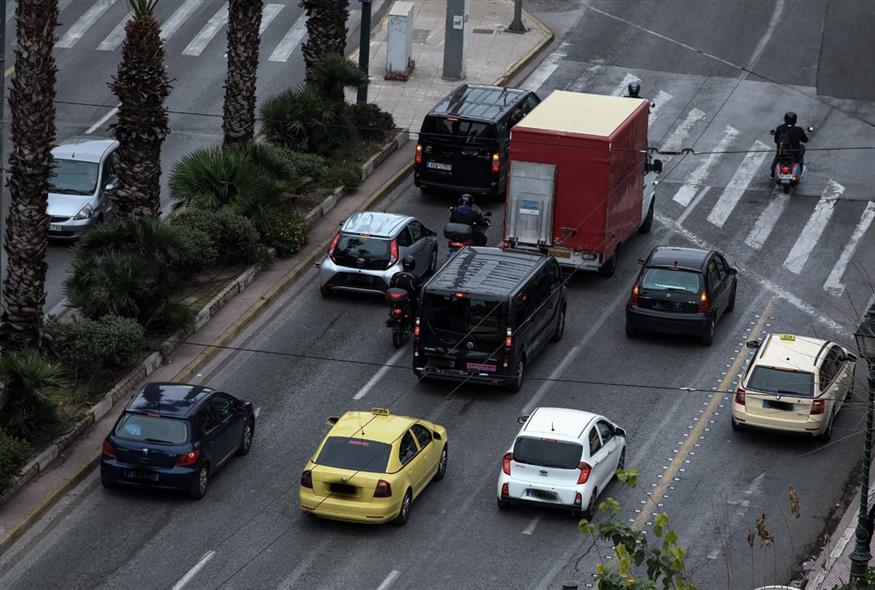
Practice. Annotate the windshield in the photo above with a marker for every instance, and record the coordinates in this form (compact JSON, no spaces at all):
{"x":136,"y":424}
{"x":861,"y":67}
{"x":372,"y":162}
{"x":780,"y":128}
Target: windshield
{"x":354,"y":453}
{"x":462,"y":316}
{"x":72,"y":177}
{"x":547,"y":453}
{"x":362,"y":252}
{"x":152,"y":429}
{"x":458,"y":131}
{"x":667,"y":279}
{"x":785,"y":381}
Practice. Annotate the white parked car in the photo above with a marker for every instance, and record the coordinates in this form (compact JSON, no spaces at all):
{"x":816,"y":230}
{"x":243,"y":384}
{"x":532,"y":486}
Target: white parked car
{"x":563,"y":458}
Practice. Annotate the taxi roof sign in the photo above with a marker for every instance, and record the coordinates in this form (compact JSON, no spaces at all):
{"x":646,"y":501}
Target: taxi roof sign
{"x":788,"y":338}
{"x":379,"y":411}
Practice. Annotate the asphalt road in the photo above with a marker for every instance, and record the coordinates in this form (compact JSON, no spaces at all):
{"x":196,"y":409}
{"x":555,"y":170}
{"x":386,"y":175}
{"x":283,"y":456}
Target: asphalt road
{"x":714,"y":483}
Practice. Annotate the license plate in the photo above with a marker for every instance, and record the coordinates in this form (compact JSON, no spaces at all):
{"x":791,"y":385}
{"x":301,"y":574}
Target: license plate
{"x":142,"y":475}
{"x":342,"y":488}
{"x":481,"y":367}
{"x":368,"y":279}
{"x":439,"y":166}
{"x":559,"y":253}
{"x":55,"y":227}
{"x":446,"y":363}
{"x":667,"y":305}
{"x":543,"y":494}
{"x":776,"y":405}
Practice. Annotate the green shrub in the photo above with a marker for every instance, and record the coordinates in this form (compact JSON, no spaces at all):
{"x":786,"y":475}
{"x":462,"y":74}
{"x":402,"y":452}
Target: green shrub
{"x":346,"y":174}
{"x":28,"y":378}
{"x":199,"y":253}
{"x":304,"y":120}
{"x":88,"y":346}
{"x":14,"y":453}
{"x":305,"y":164}
{"x":289,"y":234}
{"x":234,"y":236}
{"x":371,"y":122}
{"x":331,"y":74}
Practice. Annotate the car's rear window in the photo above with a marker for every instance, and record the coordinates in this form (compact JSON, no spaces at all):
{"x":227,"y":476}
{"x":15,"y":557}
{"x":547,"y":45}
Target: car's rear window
{"x":458,"y":131}
{"x":462,"y":316}
{"x":152,"y":429}
{"x":375,"y":252}
{"x":354,"y":453}
{"x":547,"y":453}
{"x":668,"y":279}
{"x":783,"y":381}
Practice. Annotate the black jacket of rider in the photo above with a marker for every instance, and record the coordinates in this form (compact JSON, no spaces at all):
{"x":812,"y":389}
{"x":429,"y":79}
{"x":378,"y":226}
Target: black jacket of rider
{"x":793,"y":137}
{"x":468,"y":215}
{"x":410,"y":283}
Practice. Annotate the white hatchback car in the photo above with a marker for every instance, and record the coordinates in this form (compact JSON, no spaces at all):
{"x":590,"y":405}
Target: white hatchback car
{"x":563,"y":458}
{"x":794,"y":383}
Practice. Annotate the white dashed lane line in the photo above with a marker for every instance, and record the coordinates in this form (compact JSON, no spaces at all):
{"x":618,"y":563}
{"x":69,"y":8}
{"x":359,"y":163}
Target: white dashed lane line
{"x":190,"y":574}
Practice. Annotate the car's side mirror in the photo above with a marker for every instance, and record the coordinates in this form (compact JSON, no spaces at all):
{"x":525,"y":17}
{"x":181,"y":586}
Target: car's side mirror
{"x":436,"y":436}
{"x":851,"y":358}
{"x":488,"y":214}
{"x":522,"y":419}
{"x":332,"y":420}
{"x":810,"y":129}
{"x":752,"y":344}
{"x":110,"y":186}
{"x":619,"y":431}
{"x":341,"y":222}
{"x":641,"y":261}
{"x":733,"y":271}
{"x":656,"y":166}
{"x":772,"y":132}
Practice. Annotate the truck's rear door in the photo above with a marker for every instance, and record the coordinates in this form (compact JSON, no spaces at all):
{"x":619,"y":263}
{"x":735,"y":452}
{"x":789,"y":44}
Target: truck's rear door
{"x":531,"y":189}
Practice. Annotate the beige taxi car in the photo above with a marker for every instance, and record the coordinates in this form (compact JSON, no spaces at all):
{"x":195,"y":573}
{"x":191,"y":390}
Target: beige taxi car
{"x":794,"y":384}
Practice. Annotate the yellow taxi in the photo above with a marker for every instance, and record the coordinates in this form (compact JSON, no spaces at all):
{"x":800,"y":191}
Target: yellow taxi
{"x":371,"y":466}
{"x":794,"y":383}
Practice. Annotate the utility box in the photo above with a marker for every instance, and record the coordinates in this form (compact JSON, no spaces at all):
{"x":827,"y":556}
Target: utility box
{"x":399,"y":46}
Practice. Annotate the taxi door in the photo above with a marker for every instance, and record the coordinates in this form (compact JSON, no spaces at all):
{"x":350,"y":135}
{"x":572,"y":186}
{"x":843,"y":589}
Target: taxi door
{"x":427,"y":451}
{"x":411,"y":459}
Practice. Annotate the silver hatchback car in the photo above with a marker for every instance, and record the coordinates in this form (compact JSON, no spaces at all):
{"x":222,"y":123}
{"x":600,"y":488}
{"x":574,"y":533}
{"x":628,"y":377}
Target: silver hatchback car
{"x":83,"y":177}
{"x":367,"y":252}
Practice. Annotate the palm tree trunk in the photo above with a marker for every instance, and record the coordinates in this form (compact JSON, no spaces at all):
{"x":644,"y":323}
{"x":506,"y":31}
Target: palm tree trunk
{"x":326,"y":29}
{"x":244,"y":20}
{"x":31,"y":102}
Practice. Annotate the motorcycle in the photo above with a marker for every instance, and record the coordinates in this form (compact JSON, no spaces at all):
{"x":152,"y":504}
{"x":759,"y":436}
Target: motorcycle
{"x":459,"y":235}
{"x":399,"y":315}
{"x":788,"y":171}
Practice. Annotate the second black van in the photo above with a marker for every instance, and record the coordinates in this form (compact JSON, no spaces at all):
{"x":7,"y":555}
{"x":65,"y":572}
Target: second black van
{"x":463,"y":143}
{"x":485,"y":315}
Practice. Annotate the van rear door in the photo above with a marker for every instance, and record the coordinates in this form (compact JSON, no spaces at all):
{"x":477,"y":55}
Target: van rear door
{"x":530,"y":194}
{"x":457,"y":150}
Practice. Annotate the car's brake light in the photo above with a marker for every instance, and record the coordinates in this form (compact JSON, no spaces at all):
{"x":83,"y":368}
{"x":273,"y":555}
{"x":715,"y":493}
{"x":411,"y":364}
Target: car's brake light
{"x":108,"y":450}
{"x":393,"y":252}
{"x":785,"y":170}
{"x":333,"y":245}
{"x":508,"y":339}
{"x":703,"y":302}
{"x":307,"y":479}
{"x":416,"y":329}
{"x":397,"y":311}
{"x":585,"y":470}
{"x":188,"y":459}
{"x":505,"y":490}
{"x":496,"y":163}
{"x":578,"y":499}
{"x":505,"y":463}
{"x":633,"y":299}
{"x":383,"y":489}
{"x":818,"y":406}
{"x":418,"y":158}
{"x":740,"y":395}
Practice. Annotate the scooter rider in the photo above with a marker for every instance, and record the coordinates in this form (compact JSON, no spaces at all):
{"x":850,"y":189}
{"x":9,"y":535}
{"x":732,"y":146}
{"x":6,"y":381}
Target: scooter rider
{"x":470,"y":214}
{"x":790,"y":138}
{"x":407,"y":280}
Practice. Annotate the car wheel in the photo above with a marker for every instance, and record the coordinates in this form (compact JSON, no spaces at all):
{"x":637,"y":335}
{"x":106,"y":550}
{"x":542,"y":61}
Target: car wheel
{"x":631,"y":331}
{"x":621,"y":464}
{"x":731,"y":305}
{"x":826,"y":435}
{"x":397,"y":338}
{"x":198,"y":487}
{"x":442,"y":465}
{"x":325,"y":291}
{"x":707,"y":337}
{"x":736,"y":425}
{"x":404,"y":513}
{"x":590,"y":509}
{"x":560,"y":326}
{"x":503,"y":503}
{"x":517,"y":383}
{"x":609,"y":267}
{"x":246,"y":438}
{"x":106,"y":483}
{"x":425,"y":190}
{"x":648,"y":220}
{"x":432,"y":265}
{"x":786,"y":188}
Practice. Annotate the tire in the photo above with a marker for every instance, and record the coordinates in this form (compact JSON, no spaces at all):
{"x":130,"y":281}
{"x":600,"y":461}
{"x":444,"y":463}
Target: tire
{"x":590,"y":509}
{"x":647,"y":224}
{"x":325,"y":292}
{"x":517,"y":383}
{"x":621,"y":464}
{"x":503,"y":504}
{"x":736,"y":426}
{"x":107,"y":484}
{"x":631,"y":331}
{"x":609,"y":267}
{"x":404,"y":513}
{"x":246,"y":438}
{"x":707,"y":337}
{"x":199,"y":486}
{"x":731,"y":307}
{"x":397,"y":337}
{"x":560,"y":326}
{"x":432,"y":265}
{"x":786,"y":188}
{"x":826,"y":435}
{"x":425,"y":190}
{"x":442,"y":465}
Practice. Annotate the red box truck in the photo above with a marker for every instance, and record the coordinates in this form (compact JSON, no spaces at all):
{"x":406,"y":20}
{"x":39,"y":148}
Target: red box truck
{"x":581,"y":180}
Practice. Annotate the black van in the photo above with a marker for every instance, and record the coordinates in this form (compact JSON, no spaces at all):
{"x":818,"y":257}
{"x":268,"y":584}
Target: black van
{"x":463,"y":142}
{"x":485,"y":314}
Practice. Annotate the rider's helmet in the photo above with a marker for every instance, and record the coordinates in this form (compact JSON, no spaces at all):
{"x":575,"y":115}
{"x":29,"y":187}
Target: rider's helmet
{"x":789,"y":118}
{"x":466,"y":199}
{"x":408,"y":263}
{"x":634,"y":88}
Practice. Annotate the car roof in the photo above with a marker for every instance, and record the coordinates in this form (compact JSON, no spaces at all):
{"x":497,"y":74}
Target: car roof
{"x":474,"y":101}
{"x":689,"y":258}
{"x":370,"y":426}
{"x":176,"y":400}
{"x":561,"y":422}
{"x":788,"y":351}
{"x":85,"y":148}
{"x":379,"y":225}
{"x":485,"y":271}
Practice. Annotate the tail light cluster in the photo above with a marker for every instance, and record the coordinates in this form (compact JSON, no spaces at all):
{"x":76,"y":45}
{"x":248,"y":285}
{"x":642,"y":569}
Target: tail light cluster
{"x":704,"y":305}
{"x":332,"y":246}
{"x":307,"y":479}
{"x":454,"y":244}
{"x":633,"y":299}
{"x":383,"y":489}
{"x":585,"y":470}
{"x":818,"y":406}
{"x":496,"y":163}
{"x":505,"y":463}
{"x":397,"y":311}
{"x":188,"y":459}
{"x":418,"y":158}
{"x":740,"y":395}
{"x":785,"y":170}
{"x":508,"y":344}
{"x":108,"y":450}
{"x":393,"y":252}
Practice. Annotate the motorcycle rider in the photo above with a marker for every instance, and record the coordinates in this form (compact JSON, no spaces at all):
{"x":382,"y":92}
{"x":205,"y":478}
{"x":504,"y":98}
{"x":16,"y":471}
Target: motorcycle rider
{"x":634,"y":89}
{"x":790,"y":137}
{"x":407,"y":280}
{"x":469,"y":213}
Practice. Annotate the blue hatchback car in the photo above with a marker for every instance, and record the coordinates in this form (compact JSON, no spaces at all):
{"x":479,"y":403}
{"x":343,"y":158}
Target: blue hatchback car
{"x":175,"y":436}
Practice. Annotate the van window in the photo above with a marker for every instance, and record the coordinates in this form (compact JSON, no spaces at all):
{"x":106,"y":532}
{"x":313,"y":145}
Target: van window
{"x":461,"y":316}
{"x":458,"y":131}
{"x":536,"y":293}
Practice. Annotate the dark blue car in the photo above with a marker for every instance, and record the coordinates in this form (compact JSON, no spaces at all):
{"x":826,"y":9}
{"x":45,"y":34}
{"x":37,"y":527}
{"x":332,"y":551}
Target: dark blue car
{"x":175,"y":436}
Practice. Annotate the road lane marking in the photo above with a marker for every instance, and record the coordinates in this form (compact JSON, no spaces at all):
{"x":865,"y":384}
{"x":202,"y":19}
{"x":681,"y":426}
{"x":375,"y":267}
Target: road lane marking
{"x":655,"y":497}
{"x":379,"y":374}
{"x":115,"y":38}
{"x":99,"y":123}
{"x":390,"y":579}
{"x":81,"y":26}
{"x":834,"y":283}
{"x":193,"y":571}
{"x":621,"y":88}
{"x":531,"y":528}
{"x":742,"y":178}
{"x":257,"y":411}
{"x":210,"y":30}
{"x":270,"y":12}
{"x":767,"y":220}
{"x":659,"y":100}
{"x":583,"y":81}
{"x":545,"y":69}
{"x":682,"y":131}
{"x":697,"y":176}
{"x":814,"y":227}
{"x":179,"y":16}
{"x":693,"y":204}
{"x":291,"y":581}
{"x":290,"y":41}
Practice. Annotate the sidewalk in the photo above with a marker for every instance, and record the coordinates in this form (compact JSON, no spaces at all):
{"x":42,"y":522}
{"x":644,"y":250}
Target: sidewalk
{"x":498,"y":56}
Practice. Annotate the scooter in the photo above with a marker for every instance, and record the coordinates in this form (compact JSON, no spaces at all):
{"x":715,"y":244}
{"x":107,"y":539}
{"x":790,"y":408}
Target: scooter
{"x":459,"y":235}
{"x":788,"y":171}
{"x":399,"y":315}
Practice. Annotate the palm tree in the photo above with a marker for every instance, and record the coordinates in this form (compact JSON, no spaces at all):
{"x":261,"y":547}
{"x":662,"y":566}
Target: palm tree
{"x":331,"y":74}
{"x":244,"y":21}
{"x":29,"y":378}
{"x":141,"y":86}
{"x":326,"y":30}
{"x":31,"y":101}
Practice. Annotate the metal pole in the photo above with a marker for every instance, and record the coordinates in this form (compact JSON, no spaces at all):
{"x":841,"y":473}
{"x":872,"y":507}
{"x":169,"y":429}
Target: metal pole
{"x":517,"y":25}
{"x":361,"y":96}
{"x":2,"y":144}
{"x":861,"y":556}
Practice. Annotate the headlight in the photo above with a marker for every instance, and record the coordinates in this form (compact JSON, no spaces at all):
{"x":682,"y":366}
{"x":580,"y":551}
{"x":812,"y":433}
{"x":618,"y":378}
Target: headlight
{"x":84,"y":213}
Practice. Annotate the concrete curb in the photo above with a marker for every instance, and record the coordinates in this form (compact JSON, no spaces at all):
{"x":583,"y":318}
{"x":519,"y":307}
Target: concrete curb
{"x":531,"y":54}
